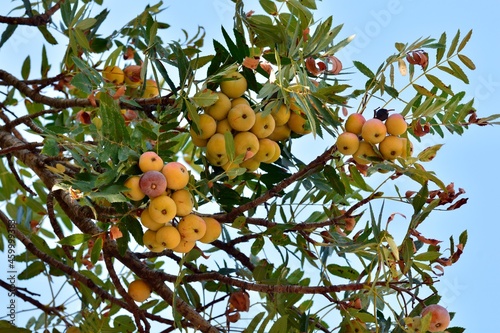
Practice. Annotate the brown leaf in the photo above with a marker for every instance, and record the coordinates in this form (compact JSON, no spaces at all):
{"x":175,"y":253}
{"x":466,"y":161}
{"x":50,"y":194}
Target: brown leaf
{"x":419,"y":130}
{"x":458,"y":204}
{"x":312,"y":66}
{"x":115,"y":233}
{"x":233,"y":317}
{"x":423,"y":239}
{"x":251,"y":62}
{"x":240,"y":301}
{"x":336,"y":65}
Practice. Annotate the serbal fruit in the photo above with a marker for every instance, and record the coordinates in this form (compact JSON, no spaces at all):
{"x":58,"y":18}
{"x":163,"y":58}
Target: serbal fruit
{"x":113,"y":74}
{"x":153,"y":183}
{"x":150,"y":161}
{"x":374,"y":140}
{"x":139,"y":290}
{"x":176,"y":174}
{"x":440,"y":317}
{"x":233,"y":85}
{"x":135,"y":192}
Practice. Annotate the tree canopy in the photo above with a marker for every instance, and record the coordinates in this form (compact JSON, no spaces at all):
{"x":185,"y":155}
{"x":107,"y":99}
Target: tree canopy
{"x":158,"y":186}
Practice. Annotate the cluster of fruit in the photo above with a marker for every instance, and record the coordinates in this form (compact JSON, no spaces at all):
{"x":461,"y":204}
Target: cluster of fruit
{"x":439,"y":319}
{"x":255,"y":134}
{"x":165,"y":186}
{"x":379,"y":137}
{"x":130,"y":76}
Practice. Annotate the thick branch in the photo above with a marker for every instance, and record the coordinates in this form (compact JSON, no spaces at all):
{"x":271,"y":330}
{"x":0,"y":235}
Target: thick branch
{"x":35,"y":20}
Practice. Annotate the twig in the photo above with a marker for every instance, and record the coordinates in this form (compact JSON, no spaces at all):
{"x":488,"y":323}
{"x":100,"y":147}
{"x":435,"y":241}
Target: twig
{"x":35,"y":20}
{"x":16,"y":175}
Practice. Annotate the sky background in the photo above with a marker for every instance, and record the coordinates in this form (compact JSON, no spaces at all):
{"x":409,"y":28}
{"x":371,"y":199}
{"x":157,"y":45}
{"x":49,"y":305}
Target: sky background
{"x":470,"y":161}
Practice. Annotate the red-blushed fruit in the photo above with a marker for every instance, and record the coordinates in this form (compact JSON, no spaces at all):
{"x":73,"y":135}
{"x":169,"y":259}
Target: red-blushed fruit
{"x":440,"y":317}
{"x":133,"y":76}
{"x":347,"y":143}
{"x":176,"y":174}
{"x":150,"y":161}
{"x":139,"y":290}
{"x":396,"y":124}
{"x":391,"y":147}
{"x":354,"y":123}
{"x":373,"y":131}
{"x":153,"y":183}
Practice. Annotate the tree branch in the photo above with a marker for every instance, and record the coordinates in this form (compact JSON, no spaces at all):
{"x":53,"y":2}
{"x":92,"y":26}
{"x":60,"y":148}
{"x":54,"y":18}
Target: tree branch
{"x":35,"y":20}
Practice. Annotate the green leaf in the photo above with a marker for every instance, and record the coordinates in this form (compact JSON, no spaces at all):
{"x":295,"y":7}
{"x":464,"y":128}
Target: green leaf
{"x":229,"y":142}
{"x":253,"y":324}
{"x":96,"y":250}
{"x":239,"y":222}
{"x":257,"y":245}
{"x":81,"y":39}
{"x":32,"y":270}
{"x":25,"y":69}
{"x":459,"y":73}
{"x":440,"y":51}
{"x":462,"y":239}
{"x":358,"y":179}
{"x":363,"y":69}
{"x":45,"y":63}
{"x":280,"y":325}
{"x":269,"y":6}
{"x":7,"y":327}
{"x":7,"y":33}
{"x":453,"y":45}
{"x":50,"y":147}
{"x":47,"y":35}
{"x":113,"y":124}
{"x":86,"y":23}
{"x":464,"y":41}
{"x":439,"y":84}
{"x":429,"y":153}
{"x":422,"y":90}
{"x":205,"y":98}
{"x":334,"y":179}
{"x":74,"y":239}
{"x":467,"y":61}
{"x":427,"y":256}
{"x":420,"y":198}
{"x":345,"y":272}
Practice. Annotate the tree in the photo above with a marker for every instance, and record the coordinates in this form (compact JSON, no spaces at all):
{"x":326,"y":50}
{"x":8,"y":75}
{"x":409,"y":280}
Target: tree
{"x":304,"y":246}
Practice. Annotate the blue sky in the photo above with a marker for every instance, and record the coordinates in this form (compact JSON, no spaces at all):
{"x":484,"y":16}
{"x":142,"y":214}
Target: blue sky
{"x":470,"y":160}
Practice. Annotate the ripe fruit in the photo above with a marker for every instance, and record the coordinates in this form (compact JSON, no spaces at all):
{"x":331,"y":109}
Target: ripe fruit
{"x":391,"y":147}
{"x":183,"y":201}
{"x":184,"y":246}
{"x":239,"y":100}
{"x":153,"y":183}
{"x":148,"y":222}
{"x":266,"y":150}
{"x":214,"y":229}
{"x":241,"y":117}
{"x":162,"y":209}
{"x":197,"y":141}
{"x":233,"y":85}
{"x":223,"y":126}
{"x":365,"y":150}
{"x":396,"y":124}
{"x":73,"y":329}
{"x":150,"y":161}
{"x":277,"y":153}
{"x":347,"y":143}
{"x":176,"y":174}
{"x":133,"y":76}
{"x":264,"y":125}
{"x":113,"y":74}
{"x":220,"y":108}
{"x":151,"y":89}
{"x":216,"y":150}
{"x":440,"y":317}
{"x":135,"y":192}
{"x":207,"y":127}
{"x":373,"y":131}
{"x":355,"y":326}
{"x":280,"y":133}
{"x":281,"y":115}
{"x":246,"y":144}
{"x":139,"y":290}
{"x":298,"y":124}
{"x":168,"y":236}
{"x":192,"y":227}
{"x":250,"y":164}
{"x":149,"y":241}
{"x":354,"y":123}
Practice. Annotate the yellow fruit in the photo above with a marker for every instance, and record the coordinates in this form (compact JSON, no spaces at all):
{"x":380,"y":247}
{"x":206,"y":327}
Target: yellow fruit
{"x":355,"y":326}
{"x":148,"y":222}
{"x":73,"y":329}
{"x":263,"y":126}
{"x":365,"y":150}
{"x":239,"y":100}
{"x":407,"y":148}
{"x":391,"y":147}
{"x":133,"y":76}
{"x":440,"y":317}
{"x":223,"y":126}
{"x":150,"y":161}
{"x":207,"y":127}
{"x":183,"y":201}
{"x":250,"y":164}
{"x":176,"y":174}
{"x":233,"y":85}
{"x":139,"y":290}
{"x":396,"y":124}
{"x":354,"y":123}
{"x":151,"y":89}
{"x":135,"y":192}
{"x":216,"y":150}
{"x":280,"y":133}
{"x":113,"y":74}
{"x":198,"y":142}
{"x":277,"y":153}
{"x":149,"y":241}
{"x":168,"y":236}
{"x":241,"y":117}
{"x":220,"y":108}
{"x":246,"y":144}
{"x":298,"y":124}
{"x":162,"y":209}
{"x":281,"y":115}
{"x":192,"y":227}
{"x":347,"y":143}
{"x":214,"y":229}
{"x":184,"y":246}
{"x":228,"y":167}
{"x":373,"y":131}
{"x":266,"y":150}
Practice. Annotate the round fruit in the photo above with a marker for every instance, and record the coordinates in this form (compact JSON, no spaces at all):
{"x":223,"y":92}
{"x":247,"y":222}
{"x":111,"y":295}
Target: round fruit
{"x":280,"y":133}
{"x":354,"y":123}
{"x":396,"y":124}
{"x":277,"y":153}
{"x":135,"y":192}
{"x":198,"y":142}
{"x":246,"y":144}
{"x":149,"y":241}
{"x":266,"y":150}
{"x":216,"y":150}
{"x":73,"y":329}
{"x":207,"y":127}
{"x":281,"y":115}
{"x":264,"y":125}
{"x":162,"y":209}
{"x":365,"y":150}
{"x":355,"y":326}
{"x":223,"y":126}
{"x":151,"y":89}
{"x":183,"y":201}
{"x":407,"y":148}
{"x":139,"y":290}
{"x":298,"y":124}
{"x":133,"y":76}
{"x":150,"y":161}
{"x":184,"y":246}
{"x":214,"y":229}
{"x":168,"y":236}
{"x":233,"y":85}
{"x":113,"y":74}
{"x":241,"y":117}
{"x":153,"y":183}
{"x":440,"y":317}
{"x":176,"y":174}
{"x":228,"y":167}
{"x":250,"y":164}
{"x":148,"y":222}
{"x":373,"y":131}
{"x":220,"y":108}
{"x":239,"y":100}
{"x":347,"y":143}
{"x":391,"y":147}
{"x":192,"y":227}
